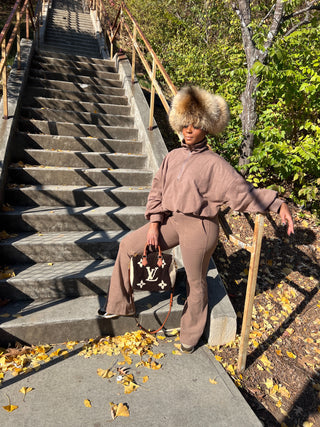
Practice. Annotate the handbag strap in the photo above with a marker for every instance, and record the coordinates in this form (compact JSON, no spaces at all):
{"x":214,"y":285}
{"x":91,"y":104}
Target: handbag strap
{"x":144,"y":256}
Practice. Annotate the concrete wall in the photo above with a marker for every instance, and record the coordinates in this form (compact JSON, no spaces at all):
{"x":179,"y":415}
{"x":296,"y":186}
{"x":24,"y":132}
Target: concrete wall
{"x":16,"y":82}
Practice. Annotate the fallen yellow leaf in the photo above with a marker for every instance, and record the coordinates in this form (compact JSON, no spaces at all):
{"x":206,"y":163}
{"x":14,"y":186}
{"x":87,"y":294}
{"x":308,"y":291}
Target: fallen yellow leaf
{"x":291,"y":355}
{"x":130,"y":387}
{"x":120,"y":410}
{"x":105,"y":373}
{"x":25,"y":390}
{"x":212,"y":381}
{"x":145,"y":379}
{"x":10,"y":408}
{"x":87,"y":403}
{"x":269,"y":383}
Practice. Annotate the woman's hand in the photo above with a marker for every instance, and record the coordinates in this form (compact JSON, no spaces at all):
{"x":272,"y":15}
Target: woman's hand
{"x":153,"y":234}
{"x":286,"y":218}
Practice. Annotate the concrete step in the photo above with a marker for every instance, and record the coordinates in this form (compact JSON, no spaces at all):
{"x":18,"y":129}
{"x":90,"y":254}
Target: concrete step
{"x":50,"y":175}
{"x":77,"y":130}
{"x":33,"y":91}
{"x":98,"y":119}
{"x":110,"y":89}
{"x":68,"y":195}
{"x":70,"y":61}
{"x":75,"y":69}
{"x":72,"y":218}
{"x":70,"y":58}
{"x":67,"y":105}
{"x":105,"y":79}
{"x":69,"y":21}
{"x":69,"y":5}
{"x":84,"y":41}
{"x":83,"y":159}
{"x":90,"y":53}
{"x":74,"y":35}
{"x":64,"y":142}
{"x":60,"y":320}
{"x":50,"y":247}
{"x":58,"y":280}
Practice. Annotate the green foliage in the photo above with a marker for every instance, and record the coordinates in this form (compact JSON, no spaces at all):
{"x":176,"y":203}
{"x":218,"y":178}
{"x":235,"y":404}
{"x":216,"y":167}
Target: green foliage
{"x":288,"y":131}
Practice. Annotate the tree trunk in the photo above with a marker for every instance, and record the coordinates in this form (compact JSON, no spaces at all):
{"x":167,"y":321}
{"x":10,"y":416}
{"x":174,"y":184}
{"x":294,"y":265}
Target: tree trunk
{"x":248,"y":118}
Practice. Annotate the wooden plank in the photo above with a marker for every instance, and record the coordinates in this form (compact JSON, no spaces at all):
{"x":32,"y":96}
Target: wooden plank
{"x":251,"y":289}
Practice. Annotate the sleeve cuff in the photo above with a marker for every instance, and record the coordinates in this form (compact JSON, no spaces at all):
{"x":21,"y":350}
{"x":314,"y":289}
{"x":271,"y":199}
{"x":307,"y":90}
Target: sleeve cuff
{"x":156,"y":218}
{"x":275,"y":205}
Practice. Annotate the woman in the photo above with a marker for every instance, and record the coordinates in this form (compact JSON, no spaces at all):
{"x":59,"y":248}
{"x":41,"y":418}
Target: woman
{"x":187,"y":192}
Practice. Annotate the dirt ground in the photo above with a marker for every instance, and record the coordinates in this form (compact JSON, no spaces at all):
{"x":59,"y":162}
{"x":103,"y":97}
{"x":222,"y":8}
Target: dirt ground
{"x":281,"y":381}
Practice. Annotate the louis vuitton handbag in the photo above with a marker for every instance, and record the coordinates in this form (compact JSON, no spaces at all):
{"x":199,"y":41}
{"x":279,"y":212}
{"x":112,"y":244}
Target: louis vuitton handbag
{"x":153,"y":271}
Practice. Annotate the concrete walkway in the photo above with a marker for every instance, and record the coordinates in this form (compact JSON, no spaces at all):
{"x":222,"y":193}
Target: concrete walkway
{"x":177,"y":394}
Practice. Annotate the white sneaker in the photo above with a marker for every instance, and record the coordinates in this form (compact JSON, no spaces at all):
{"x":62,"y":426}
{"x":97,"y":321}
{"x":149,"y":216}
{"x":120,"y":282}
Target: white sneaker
{"x":105,"y":315}
{"x":187,"y":348}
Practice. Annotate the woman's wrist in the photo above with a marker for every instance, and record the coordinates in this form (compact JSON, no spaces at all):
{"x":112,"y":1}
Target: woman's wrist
{"x":154,"y":224}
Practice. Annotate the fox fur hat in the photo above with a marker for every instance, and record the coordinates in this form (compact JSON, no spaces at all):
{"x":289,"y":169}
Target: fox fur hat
{"x":195,"y":106}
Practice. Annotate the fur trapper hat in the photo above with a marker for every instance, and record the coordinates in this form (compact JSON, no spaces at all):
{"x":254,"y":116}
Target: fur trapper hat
{"x":195,"y":106}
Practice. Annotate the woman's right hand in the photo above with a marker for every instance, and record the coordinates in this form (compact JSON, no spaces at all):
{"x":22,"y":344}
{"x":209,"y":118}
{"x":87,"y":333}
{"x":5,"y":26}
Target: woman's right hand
{"x":153,"y":234}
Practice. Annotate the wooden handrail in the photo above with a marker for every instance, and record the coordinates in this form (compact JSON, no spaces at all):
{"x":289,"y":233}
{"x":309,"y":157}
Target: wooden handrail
{"x":110,"y":31}
{"x":20,"y":8}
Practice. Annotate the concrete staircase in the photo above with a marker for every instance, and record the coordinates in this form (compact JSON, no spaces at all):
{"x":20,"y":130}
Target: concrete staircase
{"x":78,"y":181}
{"x":80,"y":170}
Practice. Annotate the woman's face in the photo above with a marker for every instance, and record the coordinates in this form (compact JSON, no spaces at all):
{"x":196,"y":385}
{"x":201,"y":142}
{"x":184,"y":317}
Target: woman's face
{"x":193,"y":135}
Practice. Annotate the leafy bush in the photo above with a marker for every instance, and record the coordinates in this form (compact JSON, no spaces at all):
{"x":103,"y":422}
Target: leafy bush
{"x":288,"y":131}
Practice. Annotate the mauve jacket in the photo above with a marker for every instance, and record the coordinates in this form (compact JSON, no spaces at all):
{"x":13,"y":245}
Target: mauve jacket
{"x":198,"y":181}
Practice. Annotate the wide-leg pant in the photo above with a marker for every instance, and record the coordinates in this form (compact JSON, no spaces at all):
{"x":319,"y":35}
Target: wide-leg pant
{"x":198,"y":238}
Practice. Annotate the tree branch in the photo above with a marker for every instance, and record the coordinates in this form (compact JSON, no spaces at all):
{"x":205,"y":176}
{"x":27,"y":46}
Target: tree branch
{"x":312,"y":6}
{"x":275,"y":25}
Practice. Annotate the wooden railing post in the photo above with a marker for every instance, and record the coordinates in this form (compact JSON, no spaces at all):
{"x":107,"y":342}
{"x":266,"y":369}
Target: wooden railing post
{"x":251,"y":289}
{"x":4,"y":81}
{"x":18,"y":38}
{"x":152,"y":96}
{"x":133,"y":64}
{"x":27,"y":22}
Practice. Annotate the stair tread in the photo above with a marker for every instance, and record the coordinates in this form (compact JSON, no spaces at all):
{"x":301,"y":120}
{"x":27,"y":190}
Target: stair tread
{"x":67,"y":237}
{"x":69,"y":57}
{"x":79,"y":86}
{"x":79,"y":106}
{"x":86,"y":113}
{"x":47,"y":271}
{"x":87,"y":153}
{"x":61,"y":310}
{"x":73,"y":210}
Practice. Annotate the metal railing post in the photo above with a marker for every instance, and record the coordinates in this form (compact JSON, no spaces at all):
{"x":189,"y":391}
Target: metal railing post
{"x":251,"y":289}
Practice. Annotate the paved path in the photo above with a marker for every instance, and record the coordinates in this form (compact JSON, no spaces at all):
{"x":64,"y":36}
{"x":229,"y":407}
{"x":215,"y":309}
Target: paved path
{"x":178,"y":394}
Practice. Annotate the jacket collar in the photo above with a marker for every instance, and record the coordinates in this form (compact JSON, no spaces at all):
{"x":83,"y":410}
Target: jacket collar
{"x":198,"y":147}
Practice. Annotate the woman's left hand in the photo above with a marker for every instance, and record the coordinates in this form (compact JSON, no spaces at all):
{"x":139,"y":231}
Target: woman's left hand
{"x":286,"y":218}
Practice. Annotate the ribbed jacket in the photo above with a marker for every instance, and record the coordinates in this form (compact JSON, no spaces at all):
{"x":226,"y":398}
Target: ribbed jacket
{"x":195,"y":180}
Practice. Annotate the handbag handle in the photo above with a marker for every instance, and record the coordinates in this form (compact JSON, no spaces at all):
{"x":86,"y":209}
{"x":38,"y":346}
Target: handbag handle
{"x":144,"y":256}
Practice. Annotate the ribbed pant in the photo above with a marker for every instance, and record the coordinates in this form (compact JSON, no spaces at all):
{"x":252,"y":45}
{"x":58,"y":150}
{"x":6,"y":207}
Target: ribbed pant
{"x":198,"y":239}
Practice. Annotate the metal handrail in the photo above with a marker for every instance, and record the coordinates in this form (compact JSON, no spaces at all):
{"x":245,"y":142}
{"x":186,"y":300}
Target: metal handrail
{"x":20,"y":8}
